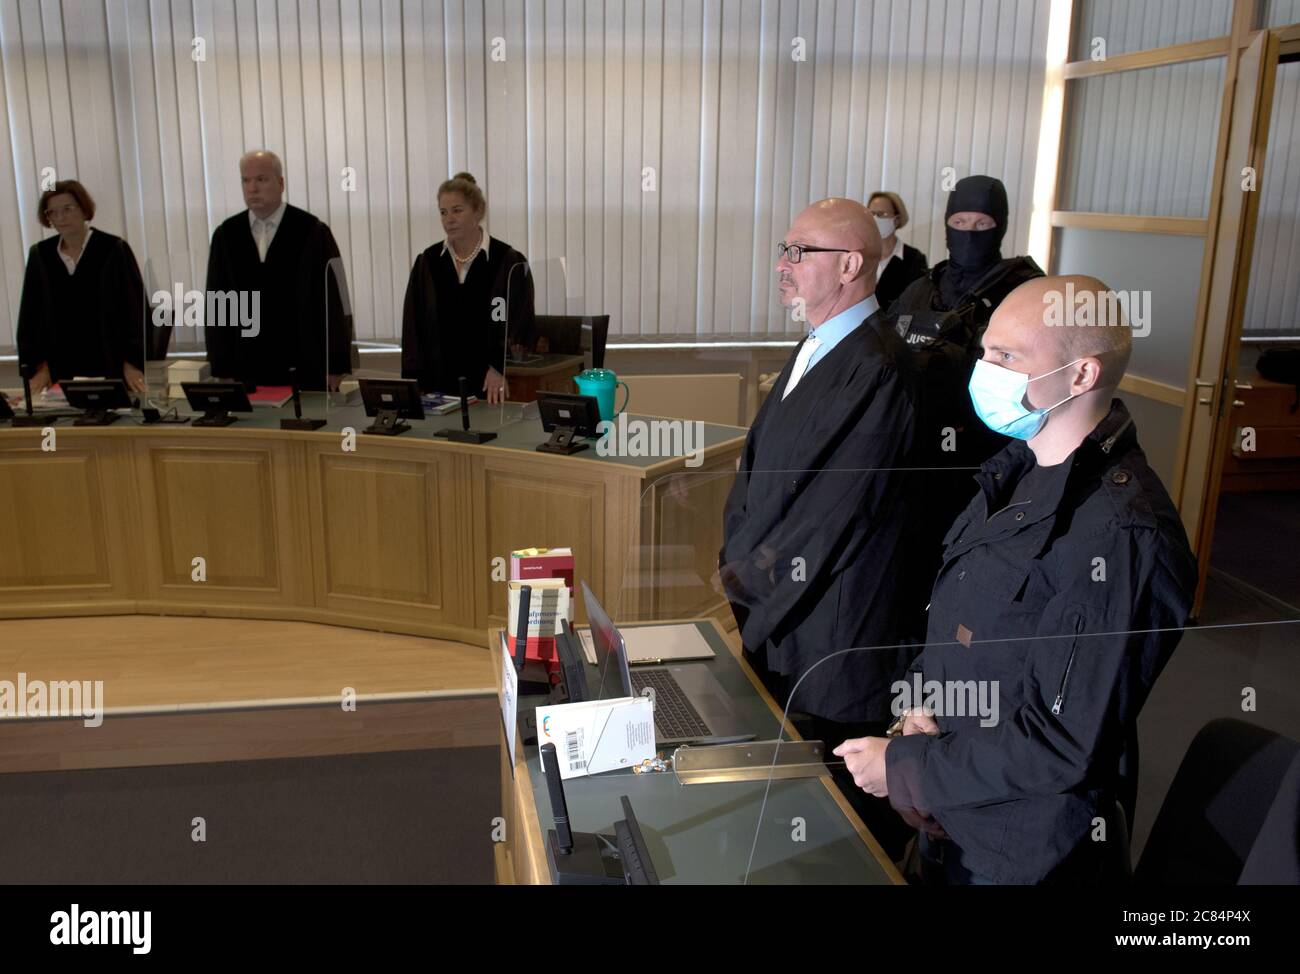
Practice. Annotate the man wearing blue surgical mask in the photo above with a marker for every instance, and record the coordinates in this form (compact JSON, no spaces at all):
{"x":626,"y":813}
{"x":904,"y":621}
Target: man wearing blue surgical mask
{"x":1064,"y":587}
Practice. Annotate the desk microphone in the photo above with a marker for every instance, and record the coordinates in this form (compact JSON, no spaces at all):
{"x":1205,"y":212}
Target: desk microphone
{"x":521,"y":627}
{"x":530,"y":685}
{"x":298,"y":423}
{"x":559,"y":807}
{"x":575,"y":858}
{"x":464,"y":404}
{"x":28,"y":420}
{"x":465,"y":434}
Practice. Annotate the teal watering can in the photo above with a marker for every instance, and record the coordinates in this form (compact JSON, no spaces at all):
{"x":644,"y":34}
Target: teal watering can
{"x":601,"y":383}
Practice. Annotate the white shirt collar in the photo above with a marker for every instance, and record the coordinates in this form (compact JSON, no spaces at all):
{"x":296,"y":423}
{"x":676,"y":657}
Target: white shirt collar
{"x":69,"y":262}
{"x":447,"y":250}
{"x":65,"y":255}
{"x":896,"y":252}
{"x":273,"y":219}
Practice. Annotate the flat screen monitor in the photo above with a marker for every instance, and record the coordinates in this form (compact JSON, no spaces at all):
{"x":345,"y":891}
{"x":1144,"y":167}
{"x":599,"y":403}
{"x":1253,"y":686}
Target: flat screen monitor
{"x":96,"y":398}
{"x":390,"y":401}
{"x":216,"y":400}
{"x":570,"y":411}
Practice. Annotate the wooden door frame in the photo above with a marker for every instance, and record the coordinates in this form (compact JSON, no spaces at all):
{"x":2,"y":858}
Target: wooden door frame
{"x":1198,"y":493}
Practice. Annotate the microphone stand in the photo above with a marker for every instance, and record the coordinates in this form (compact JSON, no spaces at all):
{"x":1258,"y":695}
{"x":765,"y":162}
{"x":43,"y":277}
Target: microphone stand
{"x":29,"y":418}
{"x":298,"y":423}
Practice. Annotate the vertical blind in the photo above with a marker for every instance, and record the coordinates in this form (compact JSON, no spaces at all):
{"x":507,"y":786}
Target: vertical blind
{"x":1126,"y":26}
{"x":1273,"y":294}
{"x":659,"y":147}
{"x":1142,"y":142}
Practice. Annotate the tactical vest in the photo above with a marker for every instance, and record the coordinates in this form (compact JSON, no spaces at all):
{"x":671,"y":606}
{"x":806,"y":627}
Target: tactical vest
{"x":944,"y":345}
{"x":951,"y":440}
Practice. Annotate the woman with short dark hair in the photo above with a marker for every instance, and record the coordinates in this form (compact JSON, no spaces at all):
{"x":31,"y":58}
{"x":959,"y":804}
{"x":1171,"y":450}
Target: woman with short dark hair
{"x":82,"y":311}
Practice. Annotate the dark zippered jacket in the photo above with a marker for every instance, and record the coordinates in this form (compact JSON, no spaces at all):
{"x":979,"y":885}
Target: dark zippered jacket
{"x":1072,"y":600}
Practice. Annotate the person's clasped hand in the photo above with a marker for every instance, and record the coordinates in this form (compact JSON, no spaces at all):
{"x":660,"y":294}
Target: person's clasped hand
{"x":134,"y":378}
{"x":495,"y":384}
{"x":865,"y":759}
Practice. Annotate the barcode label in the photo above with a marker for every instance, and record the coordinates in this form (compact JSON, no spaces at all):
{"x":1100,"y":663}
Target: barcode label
{"x":573,"y":740}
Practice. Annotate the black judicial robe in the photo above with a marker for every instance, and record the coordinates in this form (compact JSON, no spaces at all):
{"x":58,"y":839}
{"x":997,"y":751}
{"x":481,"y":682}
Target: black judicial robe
{"x":448,"y":329}
{"x":898,"y":274}
{"x":86,"y":323}
{"x":815,"y":524}
{"x":296,"y":329}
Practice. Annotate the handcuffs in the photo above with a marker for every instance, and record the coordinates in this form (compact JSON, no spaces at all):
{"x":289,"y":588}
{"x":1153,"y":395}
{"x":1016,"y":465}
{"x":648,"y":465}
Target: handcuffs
{"x":896,"y":728}
{"x":656,"y":763}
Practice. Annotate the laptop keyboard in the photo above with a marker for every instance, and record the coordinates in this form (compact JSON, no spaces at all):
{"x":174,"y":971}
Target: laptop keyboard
{"x":675,"y":717}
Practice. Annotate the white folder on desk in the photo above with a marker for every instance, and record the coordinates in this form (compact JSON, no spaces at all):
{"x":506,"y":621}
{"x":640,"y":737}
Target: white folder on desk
{"x":668,"y":643}
{"x":598,"y":735}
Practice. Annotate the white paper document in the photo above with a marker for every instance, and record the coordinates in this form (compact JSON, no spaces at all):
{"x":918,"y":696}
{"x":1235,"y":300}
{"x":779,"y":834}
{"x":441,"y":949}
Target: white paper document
{"x":598,"y":735}
{"x":657,"y":644}
{"x":509,"y":698}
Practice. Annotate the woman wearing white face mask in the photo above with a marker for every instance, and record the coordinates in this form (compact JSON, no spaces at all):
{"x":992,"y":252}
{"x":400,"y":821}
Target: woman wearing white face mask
{"x":900,"y":264}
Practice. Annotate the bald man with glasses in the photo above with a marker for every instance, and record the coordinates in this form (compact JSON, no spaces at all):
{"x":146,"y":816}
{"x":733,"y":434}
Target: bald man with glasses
{"x":816,"y":518}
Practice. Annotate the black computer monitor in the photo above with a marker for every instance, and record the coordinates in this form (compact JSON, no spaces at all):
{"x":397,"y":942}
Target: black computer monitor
{"x":96,"y":398}
{"x":595,"y":332}
{"x":390,"y":401}
{"x":638,"y":870}
{"x":216,"y":399}
{"x":573,"y":665}
{"x":563,"y":333}
{"x":569,"y":418}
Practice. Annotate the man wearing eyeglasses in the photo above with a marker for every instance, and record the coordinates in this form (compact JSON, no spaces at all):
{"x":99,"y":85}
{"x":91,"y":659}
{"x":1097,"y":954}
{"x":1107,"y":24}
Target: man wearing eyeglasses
{"x":815,"y":522}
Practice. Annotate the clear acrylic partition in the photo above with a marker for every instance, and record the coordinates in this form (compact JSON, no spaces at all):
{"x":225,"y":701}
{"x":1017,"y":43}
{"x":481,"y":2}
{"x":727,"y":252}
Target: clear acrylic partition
{"x":532,"y":288}
{"x":778,"y":814}
{"x":517,"y":423}
{"x":323,"y":397}
{"x":173,"y":322}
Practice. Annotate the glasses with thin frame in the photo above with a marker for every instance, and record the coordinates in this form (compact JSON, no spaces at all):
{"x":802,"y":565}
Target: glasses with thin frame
{"x":794,"y":252}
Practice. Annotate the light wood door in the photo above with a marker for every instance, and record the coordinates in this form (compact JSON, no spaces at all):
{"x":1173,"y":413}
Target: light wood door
{"x":1208,"y":423}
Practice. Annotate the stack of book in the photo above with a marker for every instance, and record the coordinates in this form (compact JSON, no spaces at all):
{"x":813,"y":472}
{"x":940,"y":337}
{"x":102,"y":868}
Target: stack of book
{"x":440,"y":405}
{"x":186,"y":370}
{"x":549,"y":574}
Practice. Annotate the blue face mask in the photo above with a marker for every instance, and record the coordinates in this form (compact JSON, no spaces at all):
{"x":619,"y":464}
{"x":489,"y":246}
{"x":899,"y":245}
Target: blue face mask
{"x":999,"y":397}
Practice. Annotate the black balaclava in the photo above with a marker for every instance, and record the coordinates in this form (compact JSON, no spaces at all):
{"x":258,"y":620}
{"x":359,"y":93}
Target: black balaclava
{"x":972,"y":253}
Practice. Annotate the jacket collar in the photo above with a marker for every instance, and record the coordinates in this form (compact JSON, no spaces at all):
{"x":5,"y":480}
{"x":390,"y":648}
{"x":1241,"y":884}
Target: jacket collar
{"x":1110,"y":439}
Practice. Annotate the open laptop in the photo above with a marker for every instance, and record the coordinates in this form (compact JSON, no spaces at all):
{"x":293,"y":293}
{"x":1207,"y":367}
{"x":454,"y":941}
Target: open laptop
{"x":690,"y":704}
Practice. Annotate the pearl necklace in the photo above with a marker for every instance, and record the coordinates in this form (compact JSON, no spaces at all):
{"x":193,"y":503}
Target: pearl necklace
{"x":466,"y":260}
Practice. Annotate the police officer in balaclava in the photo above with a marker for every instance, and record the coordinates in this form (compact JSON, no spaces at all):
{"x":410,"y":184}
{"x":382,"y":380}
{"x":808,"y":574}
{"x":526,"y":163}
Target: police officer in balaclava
{"x":942,"y":316}
{"x":977,"y":222}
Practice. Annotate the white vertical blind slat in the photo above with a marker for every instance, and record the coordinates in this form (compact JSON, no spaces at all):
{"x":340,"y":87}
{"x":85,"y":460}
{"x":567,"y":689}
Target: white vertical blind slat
{"x":741,"y":136}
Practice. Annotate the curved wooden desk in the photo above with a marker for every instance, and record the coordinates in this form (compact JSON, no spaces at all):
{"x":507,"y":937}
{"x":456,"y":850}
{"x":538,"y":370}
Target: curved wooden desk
{"x":401,"y":535}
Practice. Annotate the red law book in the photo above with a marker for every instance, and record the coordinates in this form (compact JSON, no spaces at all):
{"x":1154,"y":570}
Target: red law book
{"x":548,"y":603}
{"x":529,"y":564}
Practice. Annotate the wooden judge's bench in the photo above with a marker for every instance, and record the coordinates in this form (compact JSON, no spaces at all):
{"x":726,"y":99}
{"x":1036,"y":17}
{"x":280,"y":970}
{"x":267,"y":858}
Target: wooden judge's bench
{"x":407,"y":534}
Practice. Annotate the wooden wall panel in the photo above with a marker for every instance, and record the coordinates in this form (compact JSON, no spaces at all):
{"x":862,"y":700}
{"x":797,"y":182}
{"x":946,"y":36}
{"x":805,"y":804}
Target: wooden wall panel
{"x":521,"y":512}
{"x":218,"y":505}
{"x":60,"y":491}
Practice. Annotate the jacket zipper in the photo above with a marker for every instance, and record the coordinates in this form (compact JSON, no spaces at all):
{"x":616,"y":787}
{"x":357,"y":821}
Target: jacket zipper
{"x":1060,"y":695}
